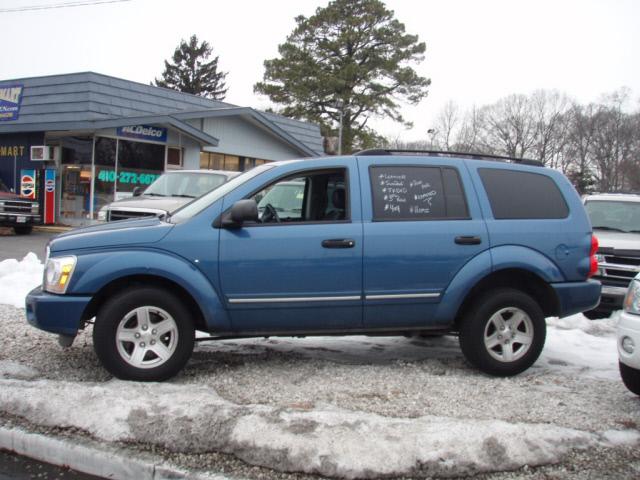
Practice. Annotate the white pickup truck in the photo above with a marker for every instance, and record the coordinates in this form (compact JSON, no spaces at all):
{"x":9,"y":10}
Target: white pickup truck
{"x":615,"y":218}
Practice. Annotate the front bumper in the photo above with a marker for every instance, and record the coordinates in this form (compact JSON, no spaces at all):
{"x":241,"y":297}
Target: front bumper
{"x":577,"y":297}
{"x":629,"y":326}
{"x":612,"y":298}
{"x":60,"y":314}
{"x":18,"y":219}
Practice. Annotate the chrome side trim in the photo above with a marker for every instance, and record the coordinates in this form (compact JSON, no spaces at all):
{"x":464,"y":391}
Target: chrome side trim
{"x":402,"y":296}
{"x":294,"y":299}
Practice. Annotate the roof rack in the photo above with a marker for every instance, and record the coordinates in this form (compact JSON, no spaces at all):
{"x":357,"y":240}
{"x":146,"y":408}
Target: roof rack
{"x":438,"y":153}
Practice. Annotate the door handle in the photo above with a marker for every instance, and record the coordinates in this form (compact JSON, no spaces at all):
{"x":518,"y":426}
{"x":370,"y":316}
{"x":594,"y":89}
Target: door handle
{"x":339,"y":243}
{"x":468,"y":240}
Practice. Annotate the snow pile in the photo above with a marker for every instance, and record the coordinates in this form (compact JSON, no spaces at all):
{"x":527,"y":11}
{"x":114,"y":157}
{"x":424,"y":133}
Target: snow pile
{"x":581,"y":346}
{"x":326,"y":440}
{"x":11,"y":369}
{"x":17,"y":278}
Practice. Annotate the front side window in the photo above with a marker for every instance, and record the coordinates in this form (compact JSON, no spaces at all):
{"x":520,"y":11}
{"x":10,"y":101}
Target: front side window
{"x":313,"y":197}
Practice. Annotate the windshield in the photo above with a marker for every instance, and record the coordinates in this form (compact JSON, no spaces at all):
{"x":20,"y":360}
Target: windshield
{"x":203,"y":202}
{"x":184,"y":184}
{"x":614,"y":215}
{"x":3,"y":187}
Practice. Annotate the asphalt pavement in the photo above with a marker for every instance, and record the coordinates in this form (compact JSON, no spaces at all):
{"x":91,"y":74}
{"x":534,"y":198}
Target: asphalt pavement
{"x":17,"y":246}
{"x":15,"y":467}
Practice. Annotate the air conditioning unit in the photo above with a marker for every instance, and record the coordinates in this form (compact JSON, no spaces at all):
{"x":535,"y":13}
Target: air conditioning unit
{"x":43,"y":153}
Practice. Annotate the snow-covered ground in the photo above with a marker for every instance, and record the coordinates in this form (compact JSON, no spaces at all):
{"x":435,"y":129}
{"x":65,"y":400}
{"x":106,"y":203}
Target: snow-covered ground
{"x":335,"y":406}
{"x":17,"y":278}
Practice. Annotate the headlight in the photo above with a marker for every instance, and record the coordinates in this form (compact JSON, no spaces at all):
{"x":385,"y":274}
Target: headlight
{"x":102,"y":214}
{"x":632,"y":300}
{"x":58,"y":272}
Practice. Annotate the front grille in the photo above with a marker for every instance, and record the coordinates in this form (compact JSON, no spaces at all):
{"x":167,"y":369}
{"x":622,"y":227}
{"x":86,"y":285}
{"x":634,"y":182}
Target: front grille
{"x":126,"y":214}
{"x":17,"y":207}
{"x":618,"y":270}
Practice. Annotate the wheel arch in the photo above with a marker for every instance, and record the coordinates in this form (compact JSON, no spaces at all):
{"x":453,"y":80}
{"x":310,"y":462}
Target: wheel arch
{"x":516,"y":278}
{"x":121,"y":284}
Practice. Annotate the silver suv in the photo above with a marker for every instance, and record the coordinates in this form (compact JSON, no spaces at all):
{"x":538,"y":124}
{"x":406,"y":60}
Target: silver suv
{"x":615,"y":218}
{"x":170,"y":191}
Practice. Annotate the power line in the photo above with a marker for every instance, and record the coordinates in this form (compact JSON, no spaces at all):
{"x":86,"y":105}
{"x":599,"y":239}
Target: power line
{"x":82,"y":3}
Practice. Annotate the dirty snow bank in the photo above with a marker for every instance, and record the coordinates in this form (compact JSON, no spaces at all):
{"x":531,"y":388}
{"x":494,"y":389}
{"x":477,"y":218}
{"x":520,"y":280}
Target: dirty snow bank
{"x":327,"y":440}
{"x":17,"y":278}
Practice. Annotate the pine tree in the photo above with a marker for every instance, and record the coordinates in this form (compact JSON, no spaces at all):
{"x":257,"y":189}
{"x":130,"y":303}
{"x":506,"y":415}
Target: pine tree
{"x":349,"y":61}
{"x":190,"y":72}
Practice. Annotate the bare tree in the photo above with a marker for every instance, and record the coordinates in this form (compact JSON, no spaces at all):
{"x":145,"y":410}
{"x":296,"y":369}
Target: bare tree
{"x":447,"y":126}
{"x":613,"y":141}
{"x":509,"y":126}
{"x":595,"y":145}
{"x":551,"y":111}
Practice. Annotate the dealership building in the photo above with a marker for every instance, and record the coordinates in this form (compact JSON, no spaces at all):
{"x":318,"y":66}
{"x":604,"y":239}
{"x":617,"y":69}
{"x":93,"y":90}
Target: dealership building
{"x":94,"y":138}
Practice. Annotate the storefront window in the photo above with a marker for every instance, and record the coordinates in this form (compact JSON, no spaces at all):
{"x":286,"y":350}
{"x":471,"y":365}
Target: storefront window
{"x":220,"y":161}
{"x":139,"y":164}
{"x":105,"y":173}
{"x":76,"y":150}
{"x":174,"y":157}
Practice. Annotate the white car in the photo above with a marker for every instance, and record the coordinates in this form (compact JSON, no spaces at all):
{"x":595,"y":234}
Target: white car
{"x":629,"y":338}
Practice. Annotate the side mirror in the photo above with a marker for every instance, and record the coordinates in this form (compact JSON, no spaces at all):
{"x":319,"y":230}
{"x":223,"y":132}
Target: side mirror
{"x":242,"y":211}
{"x":137,"y":191}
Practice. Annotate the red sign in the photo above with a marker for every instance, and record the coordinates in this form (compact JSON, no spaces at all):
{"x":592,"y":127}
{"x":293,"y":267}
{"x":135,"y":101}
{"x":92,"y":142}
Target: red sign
{"x":49,"y":196}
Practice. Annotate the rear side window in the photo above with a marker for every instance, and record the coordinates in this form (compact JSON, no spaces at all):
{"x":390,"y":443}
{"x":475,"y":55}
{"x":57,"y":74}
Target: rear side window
{"x":522,"y":195}
{"x":416,"y":193}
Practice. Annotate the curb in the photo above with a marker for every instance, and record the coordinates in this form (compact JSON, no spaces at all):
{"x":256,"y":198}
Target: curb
{"x":105,"y":461}
{"x":51,"y":228}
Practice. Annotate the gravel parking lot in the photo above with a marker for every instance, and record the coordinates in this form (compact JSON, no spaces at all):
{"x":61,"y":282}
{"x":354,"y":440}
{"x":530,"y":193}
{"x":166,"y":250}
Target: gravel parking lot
{"x":264,"y":407}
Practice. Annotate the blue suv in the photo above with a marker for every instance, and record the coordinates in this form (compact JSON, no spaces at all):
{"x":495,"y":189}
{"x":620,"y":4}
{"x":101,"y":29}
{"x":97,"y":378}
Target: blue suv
{"x":380,"y":243}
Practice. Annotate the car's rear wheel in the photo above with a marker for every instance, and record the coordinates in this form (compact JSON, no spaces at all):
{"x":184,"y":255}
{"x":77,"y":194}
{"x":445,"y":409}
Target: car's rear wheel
{"x":144,"y":334}
{"x":22,"y":230}
{"x":503,"y":332}
{"x":630,"y":378}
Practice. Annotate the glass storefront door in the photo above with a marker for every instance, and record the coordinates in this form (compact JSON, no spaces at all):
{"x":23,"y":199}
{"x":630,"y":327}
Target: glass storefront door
{"x":76,"y":180}
{"x":76,"y":194}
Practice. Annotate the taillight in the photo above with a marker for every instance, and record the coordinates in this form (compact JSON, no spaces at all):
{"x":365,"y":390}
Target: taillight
{"x":594,"y":261}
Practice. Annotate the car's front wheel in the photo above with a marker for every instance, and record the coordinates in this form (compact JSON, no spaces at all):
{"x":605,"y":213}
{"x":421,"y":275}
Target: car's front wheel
{"x":630,"y":378}
{"x":144,"y":334}
{"x":503,"y":332}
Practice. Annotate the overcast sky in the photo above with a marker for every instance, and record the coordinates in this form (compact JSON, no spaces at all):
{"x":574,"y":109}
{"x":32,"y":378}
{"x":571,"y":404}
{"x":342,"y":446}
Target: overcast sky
{"x":477,"y":51}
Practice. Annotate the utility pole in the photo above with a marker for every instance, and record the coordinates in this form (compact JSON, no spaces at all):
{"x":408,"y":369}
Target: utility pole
{"x":340,"y":107}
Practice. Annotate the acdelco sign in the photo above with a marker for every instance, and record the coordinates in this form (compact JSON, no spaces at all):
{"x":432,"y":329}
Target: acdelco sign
{"x":143,"y":132}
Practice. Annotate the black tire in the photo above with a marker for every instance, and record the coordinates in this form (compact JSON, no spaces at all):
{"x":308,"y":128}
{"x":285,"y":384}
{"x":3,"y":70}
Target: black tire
{"x":630,"y":378}
{"x":477,"y":323}
{"x":120,"y":356}
{"x":22,"y":230}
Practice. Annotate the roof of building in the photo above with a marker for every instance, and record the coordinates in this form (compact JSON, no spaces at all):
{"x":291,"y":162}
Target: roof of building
{"x":91,"y":100}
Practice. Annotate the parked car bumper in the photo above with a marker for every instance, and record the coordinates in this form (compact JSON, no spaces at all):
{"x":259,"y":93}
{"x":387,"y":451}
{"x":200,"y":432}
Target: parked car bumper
{"x":60,"y":314}
{"x":629,"y":328}
{"x":18,"y":219}
{"x":576,"y":297}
